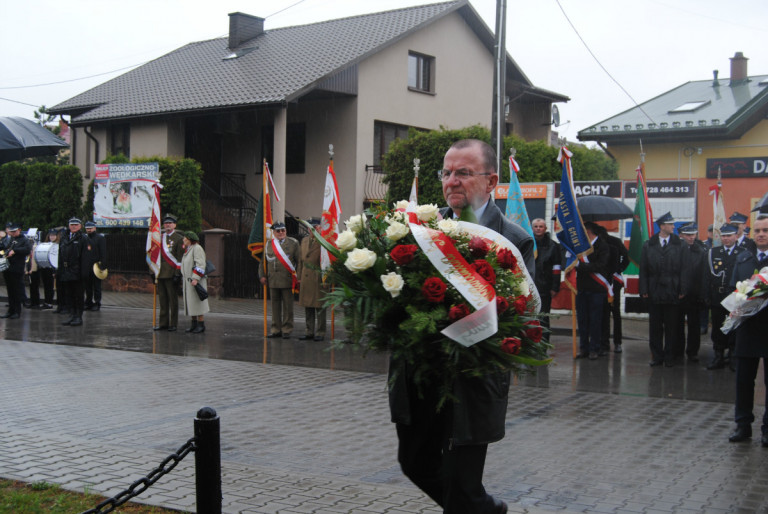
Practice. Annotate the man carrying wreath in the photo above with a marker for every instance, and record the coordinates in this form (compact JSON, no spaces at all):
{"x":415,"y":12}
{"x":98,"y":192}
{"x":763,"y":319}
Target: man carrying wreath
{"x":443,"y":452}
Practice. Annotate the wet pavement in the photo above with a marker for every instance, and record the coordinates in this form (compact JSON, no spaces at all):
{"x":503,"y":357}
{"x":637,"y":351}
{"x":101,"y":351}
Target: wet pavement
{"x":306,"y":429}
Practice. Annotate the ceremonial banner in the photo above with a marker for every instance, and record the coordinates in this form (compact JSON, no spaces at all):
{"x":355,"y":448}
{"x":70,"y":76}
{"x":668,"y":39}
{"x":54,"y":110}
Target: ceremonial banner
{"x":572,"y":234}
{"x":329,"y":227}
{"x":154,"y":247}
{"x":642,"y":225}
{"x":516,"y":211}
{"x":122,"y":194}
{"x":262,"y":223}
{"x":718,"y":208}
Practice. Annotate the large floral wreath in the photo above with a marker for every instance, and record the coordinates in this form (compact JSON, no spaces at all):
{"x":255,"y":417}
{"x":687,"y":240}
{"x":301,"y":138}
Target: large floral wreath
{"x":448,"y":297}
{"x":749,"y":298}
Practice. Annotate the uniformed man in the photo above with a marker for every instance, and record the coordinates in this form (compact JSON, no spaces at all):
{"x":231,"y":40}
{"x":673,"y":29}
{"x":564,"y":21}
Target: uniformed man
{"x":740,"y":222}
{"x":612,"y":310}
{"x":591,"y":285}
{"x":72,"y":270}
{"x":751,"y":344}
{"x":663,"y":283}
{"x":282,"y":259}
{"x":17,"y":247}
{"x":548,"y":266}
{"x":721,"y":261}
{"x":97,"y":254}
{"x":312,"y":292}
{"x":691,"y":304}
{"x":169,"y":275}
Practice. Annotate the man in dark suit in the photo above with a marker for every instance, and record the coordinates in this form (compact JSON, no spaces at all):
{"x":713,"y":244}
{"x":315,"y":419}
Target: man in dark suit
{"x":592,"y":284}
{"x":17,"y":247}
{"x":612,"y":310}
{"x":721,"y":261}
{"x":691,"y":304}
{"x":751,"y":344}
{"x":739,"y":220}
{"x":97,"y":254}
{"x":443,"y":452}
{"x":663,"y":283}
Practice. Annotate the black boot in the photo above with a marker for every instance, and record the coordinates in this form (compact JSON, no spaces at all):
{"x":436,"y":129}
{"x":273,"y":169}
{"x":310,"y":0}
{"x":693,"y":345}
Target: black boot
{"x":718,"y":362}
{"x":199,"y":328}
{"x":193,"y":326}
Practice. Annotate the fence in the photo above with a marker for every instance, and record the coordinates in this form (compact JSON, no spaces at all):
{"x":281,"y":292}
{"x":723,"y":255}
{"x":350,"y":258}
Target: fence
{"x":207,"y":447}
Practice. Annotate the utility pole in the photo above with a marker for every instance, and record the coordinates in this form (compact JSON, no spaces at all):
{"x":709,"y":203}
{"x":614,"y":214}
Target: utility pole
{"x":498,"y":121}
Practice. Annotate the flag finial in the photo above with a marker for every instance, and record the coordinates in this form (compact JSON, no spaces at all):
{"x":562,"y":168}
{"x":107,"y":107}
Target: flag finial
{"x":512,"y":152}
{"x":416,"y":166}
{"x":330,"y":151}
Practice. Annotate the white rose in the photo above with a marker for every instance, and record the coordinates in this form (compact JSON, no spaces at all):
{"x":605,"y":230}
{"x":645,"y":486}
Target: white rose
{"x":427,"y":212}
{"x":522,"y":288}
{"x":402,"y":204}
{"x":395,"y":217}
{"x":360,"y":260}
{"x":346,"y":241}
{"x":743,"y":287}
{"x":355,"y":223}
{"x":449,"y":226}
{"x":393,"y":283}
{"x":396,"y":231}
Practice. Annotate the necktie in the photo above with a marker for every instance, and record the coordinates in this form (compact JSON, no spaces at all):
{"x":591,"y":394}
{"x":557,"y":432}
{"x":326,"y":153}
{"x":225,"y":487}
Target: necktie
{"x":663,"y":243}
{"x":761,"y":256}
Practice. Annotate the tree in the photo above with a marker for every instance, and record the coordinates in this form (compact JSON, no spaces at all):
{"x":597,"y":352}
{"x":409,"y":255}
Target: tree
{"x":43,"y":118}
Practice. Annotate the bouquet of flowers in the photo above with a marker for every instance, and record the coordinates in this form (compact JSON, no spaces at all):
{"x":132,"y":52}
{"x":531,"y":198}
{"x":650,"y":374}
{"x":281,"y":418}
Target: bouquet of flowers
{"x":750,"y":297}
{"x":449,"y":297}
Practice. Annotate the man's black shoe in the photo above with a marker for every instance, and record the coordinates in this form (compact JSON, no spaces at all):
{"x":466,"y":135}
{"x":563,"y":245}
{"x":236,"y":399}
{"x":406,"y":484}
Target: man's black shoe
{"x":276,"y":334}
{"x":68,"y":322}
{"x":305,"y":337}
{"x":693,"y":358}
{"x":602,"y":353}
{"x":742,"y":433}
{"x":172,"y":328}
{"x":581,"y":355}
{"x":96,"y":307}
{"x":161,"y":327}
{"x":286,"y":336}
{"x":7,"y":315}
{"x":593,"y":356}
{"x":319,"y":338}
{"x":653,"y":364}
{"x":76,"y":321}
{"x":618,"y":349}
{"x":501,"y":507}
{"x":670,"y":363}
{"x":13,"y":316}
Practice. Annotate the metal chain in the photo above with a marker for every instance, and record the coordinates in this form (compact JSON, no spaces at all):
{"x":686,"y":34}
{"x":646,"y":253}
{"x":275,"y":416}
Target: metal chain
{"x":142,"y":484}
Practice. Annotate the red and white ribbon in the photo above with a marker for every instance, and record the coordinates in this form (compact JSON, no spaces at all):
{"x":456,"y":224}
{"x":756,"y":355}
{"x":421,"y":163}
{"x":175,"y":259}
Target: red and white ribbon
{"x":167,"y":255}
{"x":277,"y":248}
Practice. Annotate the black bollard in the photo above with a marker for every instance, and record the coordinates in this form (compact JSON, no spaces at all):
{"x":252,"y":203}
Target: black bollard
{"x":207,"y":462}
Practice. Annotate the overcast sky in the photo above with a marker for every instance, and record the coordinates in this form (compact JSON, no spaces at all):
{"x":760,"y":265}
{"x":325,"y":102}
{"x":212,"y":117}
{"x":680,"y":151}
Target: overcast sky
{"x":648,"y":47}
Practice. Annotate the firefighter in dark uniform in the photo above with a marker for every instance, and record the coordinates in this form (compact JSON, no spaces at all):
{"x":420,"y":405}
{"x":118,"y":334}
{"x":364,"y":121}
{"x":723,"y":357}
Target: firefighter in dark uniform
{"x":548,"y":259}
{"x":17,"y":248}
{"x":619,"y":262}
{"x":663,"y":284}
{"x":691,"y":304}
{"x":72,"y":270}
{"x":720,"y":261}
{"x":97,"y":254}
{"x":739,"y":220}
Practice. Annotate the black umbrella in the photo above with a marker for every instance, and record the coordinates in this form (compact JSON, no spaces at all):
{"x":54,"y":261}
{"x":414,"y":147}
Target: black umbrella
{"x":21,"y":138}
{"x":602,"y":208}
{"x":762,"y":205}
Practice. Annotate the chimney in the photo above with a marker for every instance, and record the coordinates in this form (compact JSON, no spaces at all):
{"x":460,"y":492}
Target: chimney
{"x":243,"y":27}
{"x":738,"y":68}
{"x":715,"y":83}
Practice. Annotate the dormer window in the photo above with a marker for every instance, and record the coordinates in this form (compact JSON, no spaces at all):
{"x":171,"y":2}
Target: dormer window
{"x":690,"y":106}
{"x":421,"y":72}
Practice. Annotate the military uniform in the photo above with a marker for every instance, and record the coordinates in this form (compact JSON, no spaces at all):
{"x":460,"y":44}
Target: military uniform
{"x":97,"y":253}
{"x":167,"y":278}
{"x":21,"y":247}
{"x":72,"y":270}
{"x":312,"y":289}
{"x":691,"y":304}
{"x":720,"y":261}
{"x":280,"y":284}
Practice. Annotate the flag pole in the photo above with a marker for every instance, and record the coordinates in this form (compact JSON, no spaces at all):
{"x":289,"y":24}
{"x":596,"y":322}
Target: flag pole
{"x":333,"y":310}
{"x":264,"y":245}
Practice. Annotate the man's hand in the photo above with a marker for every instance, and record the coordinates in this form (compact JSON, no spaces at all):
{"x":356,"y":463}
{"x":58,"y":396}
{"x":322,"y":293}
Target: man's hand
{"x":263,"y":280}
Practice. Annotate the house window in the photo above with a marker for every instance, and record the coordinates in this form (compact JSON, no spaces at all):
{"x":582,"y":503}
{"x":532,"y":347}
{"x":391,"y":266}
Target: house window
{"x":383,"y":136}
{"x":295,"y":147}
{"x":120,"y":139}
{"x":421,"y":73}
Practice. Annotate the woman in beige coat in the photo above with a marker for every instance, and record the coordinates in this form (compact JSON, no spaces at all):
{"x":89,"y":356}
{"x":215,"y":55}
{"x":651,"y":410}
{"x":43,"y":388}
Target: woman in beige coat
{"x":193,"y":272}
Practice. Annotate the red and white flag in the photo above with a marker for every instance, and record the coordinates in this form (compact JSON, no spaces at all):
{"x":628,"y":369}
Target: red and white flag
{"x":329,"y":227}
{"x":154,"y":236}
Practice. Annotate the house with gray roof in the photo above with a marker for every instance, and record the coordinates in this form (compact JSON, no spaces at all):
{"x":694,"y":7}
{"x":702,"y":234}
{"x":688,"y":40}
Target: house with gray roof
{"x":286,"y":94}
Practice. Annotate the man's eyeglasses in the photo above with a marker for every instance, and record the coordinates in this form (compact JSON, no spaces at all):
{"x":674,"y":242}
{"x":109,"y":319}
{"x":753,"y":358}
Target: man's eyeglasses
{"x":459,"y":174}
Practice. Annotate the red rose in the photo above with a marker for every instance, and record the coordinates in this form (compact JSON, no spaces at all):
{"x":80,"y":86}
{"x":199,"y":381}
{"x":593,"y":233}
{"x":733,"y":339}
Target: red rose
{"x":521,"y":304}
{"x":478,"y":247}
{"x":501,"y":304}
{"x":403,"y":254}
{"x":433,"y":290}
{"x":534,"y":331}
{"x":511,"y":345}
{"x":485,"y":270}
{"x":506,"y":259}
{"x":458,"y":311}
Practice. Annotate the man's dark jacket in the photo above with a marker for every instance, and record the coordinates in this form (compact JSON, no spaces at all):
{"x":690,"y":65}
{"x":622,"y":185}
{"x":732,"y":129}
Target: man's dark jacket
{"x":663,"y":275}
{"x":21,"y":247}
{"x":73,"y":257}
{"x":599,"y":261}
{"x":97,"y":251}
{"x":697,"y":271}
{"x":480,"y":409}
{"x":547,"y":256}
{"x":750,"y":335}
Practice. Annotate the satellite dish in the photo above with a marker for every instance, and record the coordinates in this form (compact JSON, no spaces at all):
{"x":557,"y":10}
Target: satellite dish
{"x":555,"y":116}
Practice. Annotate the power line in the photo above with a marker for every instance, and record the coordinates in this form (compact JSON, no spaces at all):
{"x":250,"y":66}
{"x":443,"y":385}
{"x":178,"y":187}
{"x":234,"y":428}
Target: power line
{"x":18,"y":102}
{"x":599,"y":63}
{"x":284,"y":9}
{"x":75,"y":80}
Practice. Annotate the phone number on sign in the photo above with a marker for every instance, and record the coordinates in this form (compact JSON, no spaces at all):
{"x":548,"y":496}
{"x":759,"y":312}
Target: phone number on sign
{"x":124,"y":223}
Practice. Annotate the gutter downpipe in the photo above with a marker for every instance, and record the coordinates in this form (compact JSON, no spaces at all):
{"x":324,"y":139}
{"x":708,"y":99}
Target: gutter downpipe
{"x":96,"y":143}
{"x":609,"y":154}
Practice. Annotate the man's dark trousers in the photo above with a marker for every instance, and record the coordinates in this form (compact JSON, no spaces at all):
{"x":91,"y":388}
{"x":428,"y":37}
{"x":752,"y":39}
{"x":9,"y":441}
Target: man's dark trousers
{"x":664,"y":331}
{"x":451,"y":475}
{"x":746,"y":373}
{"x":589,"y":314}
{"x":169,"y":302}
{"x":16,"y":291}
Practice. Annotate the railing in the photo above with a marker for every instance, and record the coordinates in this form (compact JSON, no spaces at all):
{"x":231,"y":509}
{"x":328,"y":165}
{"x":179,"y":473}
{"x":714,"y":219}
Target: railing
{"x":375,"y":188}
